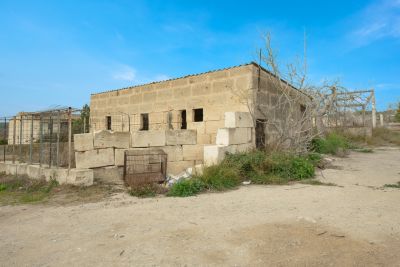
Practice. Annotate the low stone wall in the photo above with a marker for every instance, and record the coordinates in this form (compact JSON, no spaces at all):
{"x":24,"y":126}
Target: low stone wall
{"x":82,"y":177}
{"x":365,"y":131}
{"x":103,"y":151}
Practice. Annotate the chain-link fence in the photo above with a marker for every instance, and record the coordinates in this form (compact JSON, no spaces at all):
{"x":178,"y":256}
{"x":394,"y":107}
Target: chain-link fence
{"x":44,"y":138}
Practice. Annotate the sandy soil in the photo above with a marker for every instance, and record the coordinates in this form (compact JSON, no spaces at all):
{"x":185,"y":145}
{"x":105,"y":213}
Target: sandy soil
{"x":356,"y":224}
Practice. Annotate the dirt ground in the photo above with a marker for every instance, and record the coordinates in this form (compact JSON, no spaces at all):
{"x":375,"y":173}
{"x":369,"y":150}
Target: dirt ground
{"x":354,"y":224}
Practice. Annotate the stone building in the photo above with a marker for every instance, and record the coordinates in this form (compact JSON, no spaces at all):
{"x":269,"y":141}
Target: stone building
{"x":195,"y":119}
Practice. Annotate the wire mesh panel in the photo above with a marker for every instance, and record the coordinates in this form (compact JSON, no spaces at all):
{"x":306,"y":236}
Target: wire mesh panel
{"x":43,"y":137}
{"x":144,"y":166}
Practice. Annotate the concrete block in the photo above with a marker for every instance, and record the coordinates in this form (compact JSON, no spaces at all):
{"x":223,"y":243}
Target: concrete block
{"x":233,"y":136}
{"x":199,"y":126}
{"x":3,"y":167}
{"x":34,"y":172}
{"x":119,"y":156}
{"x":80,"y":177}
{"x":83,"y":142}
{"x":238,"y":120}
{"x":177,"y":167}
{"x":60,"y":175}
{"x":11,"y":168}
{"x":198,"y":169}
{"x":22,"y":169}
{"x":106,"y":139}
{"x":181,"y":137}
{"x":109,"y":175}
{"x":193,"y":152}
{"x":243,"y":148}
{"x":175,"y":153}
{"x":148,"y":138}
{"x":213,"y":126}
{"x":95,"y":158}
{"x":203,"y":139}
{"x":214,"y":154}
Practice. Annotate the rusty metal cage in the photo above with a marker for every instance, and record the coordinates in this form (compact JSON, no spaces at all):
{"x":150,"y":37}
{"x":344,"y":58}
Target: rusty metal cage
{"x":144,"y":166}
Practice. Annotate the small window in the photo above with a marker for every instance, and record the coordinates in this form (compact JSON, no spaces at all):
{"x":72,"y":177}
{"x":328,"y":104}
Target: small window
{"x":183,"y":119}
{"x":108,"y":122}
{"x":197,"y":114}
{"x":144,"y":118}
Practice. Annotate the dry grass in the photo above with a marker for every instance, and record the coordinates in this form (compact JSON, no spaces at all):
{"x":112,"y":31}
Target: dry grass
{"x":16,"y":190}
{"x":380,"y":137}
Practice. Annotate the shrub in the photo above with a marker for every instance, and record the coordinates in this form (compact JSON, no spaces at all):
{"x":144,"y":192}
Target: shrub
{"x":145,"y":190}
{"x":220,"y":177}
{"x":314,"y":158}
{"x":292,"y":167}
{"x":393,"y":185}
{"x":186,"y":188}
{"x":247,"y":164}
{"x":333,"y":143}
{"x":278,"y":168}
{"x":257,"y":166}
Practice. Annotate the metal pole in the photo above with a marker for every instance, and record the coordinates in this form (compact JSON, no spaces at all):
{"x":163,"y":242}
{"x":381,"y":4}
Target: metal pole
{"x":51,"y":139}
{"x":31,"y":143}
{"x":363,"y":115}
{"x":373,"y":109}
{"x":40,"y":140}
{"x":58,"y":139}
{"x":69,"y":138}
{"x":5,"y":136}
{"x":20,"y":138}
{"x":129,"y":123}
{"x":13,"y":147}
{"x":84,"y":124}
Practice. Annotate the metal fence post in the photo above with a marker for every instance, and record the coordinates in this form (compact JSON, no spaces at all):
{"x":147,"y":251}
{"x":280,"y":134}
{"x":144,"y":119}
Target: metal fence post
{"x":51,"y":139}
{"x":84,"y":124}
{"x":40,"y":140}
{"x":5,"y":136}
{"x":69,"y":138}
{"x":13,"y":147}
{"x":31,"y":142}
{"x":20,"y":138}
{"x":58,"y":139}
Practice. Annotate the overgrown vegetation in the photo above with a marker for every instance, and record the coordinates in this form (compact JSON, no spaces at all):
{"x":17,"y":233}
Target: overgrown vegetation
{"x":256,"y":166}
{"x":383,"y":136}
{"x":186,"y":188}
{"x":146,"y":190}
{"x":23,"y":190}
{"x":334,"y":144}
{"x":3,"y":142}
{"x":397,"y":115}
{"x":397,"y":185}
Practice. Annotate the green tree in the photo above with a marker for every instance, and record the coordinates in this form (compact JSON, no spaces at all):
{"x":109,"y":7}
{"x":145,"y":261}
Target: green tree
{"x":78,"y":124}
{"x":397,"y":116}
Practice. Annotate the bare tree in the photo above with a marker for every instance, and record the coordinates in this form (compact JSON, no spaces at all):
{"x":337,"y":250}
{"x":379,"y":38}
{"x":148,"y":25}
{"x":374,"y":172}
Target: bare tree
{"x":286,"y":106}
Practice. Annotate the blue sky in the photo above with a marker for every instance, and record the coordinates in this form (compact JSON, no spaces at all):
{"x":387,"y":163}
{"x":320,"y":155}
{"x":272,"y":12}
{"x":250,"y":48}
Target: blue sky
{"x":59,"y":52}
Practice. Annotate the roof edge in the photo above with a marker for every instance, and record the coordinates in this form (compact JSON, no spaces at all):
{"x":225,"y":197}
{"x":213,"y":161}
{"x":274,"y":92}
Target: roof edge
{"x":173,"y":79}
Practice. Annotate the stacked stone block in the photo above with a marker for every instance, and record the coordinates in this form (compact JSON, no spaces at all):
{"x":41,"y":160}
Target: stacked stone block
{"x":237,"y":136}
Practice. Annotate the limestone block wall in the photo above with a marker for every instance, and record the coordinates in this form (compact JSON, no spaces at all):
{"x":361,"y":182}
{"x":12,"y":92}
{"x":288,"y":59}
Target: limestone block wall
{"x":181,"y":146}
{"x":215,"y":92}
{"x":237,"y":136}
{"x":107,"y":160}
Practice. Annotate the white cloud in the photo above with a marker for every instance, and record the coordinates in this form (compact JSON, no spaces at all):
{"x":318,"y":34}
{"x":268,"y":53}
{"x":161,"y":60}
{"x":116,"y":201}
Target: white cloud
{"x":125,"y":73}
{"x":377,"y":21}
